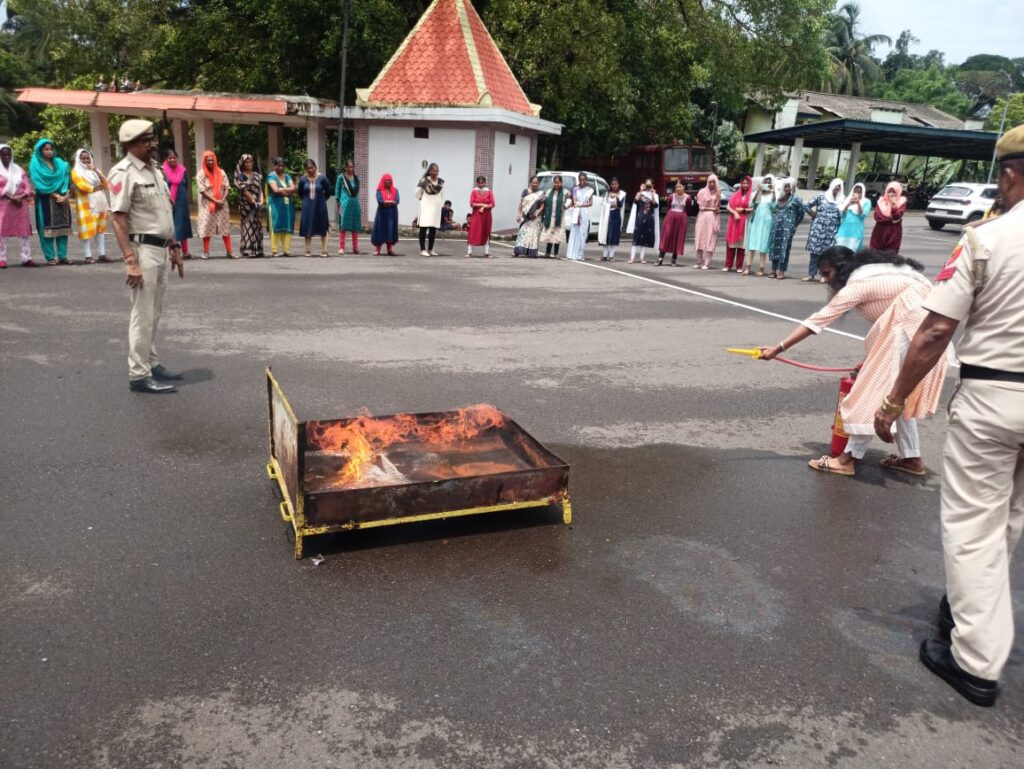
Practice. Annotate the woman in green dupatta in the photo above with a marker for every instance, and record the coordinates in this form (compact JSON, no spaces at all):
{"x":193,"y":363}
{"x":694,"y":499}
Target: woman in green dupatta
{"x":350,"y":215}
{"x":51,"y":177}
{"x":558,"y":201}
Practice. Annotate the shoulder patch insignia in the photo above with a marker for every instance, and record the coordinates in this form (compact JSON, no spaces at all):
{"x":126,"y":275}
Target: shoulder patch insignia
{"x":950,"y":266}
{"x":116,"y":187}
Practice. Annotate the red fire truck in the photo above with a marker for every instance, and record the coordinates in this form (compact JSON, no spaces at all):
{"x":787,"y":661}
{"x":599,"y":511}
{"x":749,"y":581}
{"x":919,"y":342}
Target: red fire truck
{"x":665,"y":163}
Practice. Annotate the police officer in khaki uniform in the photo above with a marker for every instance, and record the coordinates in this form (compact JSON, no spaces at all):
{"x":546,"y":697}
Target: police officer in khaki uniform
{"x":144,"y":228}
{"x":981,"y":286}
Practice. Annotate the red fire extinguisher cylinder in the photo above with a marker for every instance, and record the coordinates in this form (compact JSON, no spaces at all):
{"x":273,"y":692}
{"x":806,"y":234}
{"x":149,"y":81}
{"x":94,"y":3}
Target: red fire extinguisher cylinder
{"x":839,"y":436}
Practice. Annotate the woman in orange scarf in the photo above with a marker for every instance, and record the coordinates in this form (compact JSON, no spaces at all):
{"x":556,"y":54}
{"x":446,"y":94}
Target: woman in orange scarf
{"x":214,"y":215}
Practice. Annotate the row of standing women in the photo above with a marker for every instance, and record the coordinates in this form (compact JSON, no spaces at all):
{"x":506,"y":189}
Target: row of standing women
{"x":774,"y":211}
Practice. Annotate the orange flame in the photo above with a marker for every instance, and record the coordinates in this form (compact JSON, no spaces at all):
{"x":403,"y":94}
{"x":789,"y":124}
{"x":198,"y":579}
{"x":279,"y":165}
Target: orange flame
{"x":364,"y":439}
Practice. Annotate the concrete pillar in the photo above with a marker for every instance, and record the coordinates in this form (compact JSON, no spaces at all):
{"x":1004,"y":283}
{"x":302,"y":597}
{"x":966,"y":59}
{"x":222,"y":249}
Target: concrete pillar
{"x":204,"y":142}
{"x":796,"y":156}
{"x":812,"y":168}
{"x":182,"y":144}
{"x":759,"y":160}
{"x":316,"y":144}
{"x":100,"y":137}
{"x":851,"y":167}
{"x":275,"y":143}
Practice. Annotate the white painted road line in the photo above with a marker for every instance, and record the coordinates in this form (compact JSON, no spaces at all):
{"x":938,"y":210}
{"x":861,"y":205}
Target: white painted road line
{"x":702,"y":295}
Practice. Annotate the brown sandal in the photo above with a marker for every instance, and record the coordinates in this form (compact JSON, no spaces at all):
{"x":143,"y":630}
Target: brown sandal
{"x":894,"y":462}
{"x":824,"y":465}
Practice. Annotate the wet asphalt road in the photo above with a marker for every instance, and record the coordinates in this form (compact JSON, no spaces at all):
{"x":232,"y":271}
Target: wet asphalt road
{"x":714,"y":603}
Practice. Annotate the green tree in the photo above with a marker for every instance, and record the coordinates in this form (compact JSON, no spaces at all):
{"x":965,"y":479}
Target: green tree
{"x":854,"y":68}
{"x":1014,"y":113}
{"x":988,"y":62}
{"x":925,"y":86}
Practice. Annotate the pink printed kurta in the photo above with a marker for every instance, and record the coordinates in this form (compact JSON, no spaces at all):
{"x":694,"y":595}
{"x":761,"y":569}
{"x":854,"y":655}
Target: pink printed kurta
{"x":890,"y":297}
{"x":708,"y":220}
{"x":14,"y":219}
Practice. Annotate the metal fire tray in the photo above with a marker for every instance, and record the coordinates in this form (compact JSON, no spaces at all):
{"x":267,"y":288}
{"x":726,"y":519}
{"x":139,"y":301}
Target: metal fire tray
{"x":501,"y":468}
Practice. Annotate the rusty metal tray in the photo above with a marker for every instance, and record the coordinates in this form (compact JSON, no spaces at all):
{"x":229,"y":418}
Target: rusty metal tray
{"x":500,"y":467}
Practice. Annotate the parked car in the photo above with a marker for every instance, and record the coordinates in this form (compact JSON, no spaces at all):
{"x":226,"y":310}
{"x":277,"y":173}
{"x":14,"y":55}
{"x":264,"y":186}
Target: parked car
{"x":727,"y":191}
{"x":569,"y":178}
{"x":960,"y":203}
{"x":875,"y":184}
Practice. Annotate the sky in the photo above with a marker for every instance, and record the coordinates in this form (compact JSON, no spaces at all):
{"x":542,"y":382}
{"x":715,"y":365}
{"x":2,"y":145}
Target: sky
{"x":959,"y":28}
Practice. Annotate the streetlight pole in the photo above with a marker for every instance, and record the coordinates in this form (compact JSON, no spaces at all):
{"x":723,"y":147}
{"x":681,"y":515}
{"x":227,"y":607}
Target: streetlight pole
{"x":341,"y":94}
{"x":714,"y":125}
{"x":1002,"y":122}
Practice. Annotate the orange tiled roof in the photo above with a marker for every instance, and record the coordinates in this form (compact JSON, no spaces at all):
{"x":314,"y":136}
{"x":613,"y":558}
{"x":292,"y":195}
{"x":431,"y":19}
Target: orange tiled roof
{"x":450,"y":60}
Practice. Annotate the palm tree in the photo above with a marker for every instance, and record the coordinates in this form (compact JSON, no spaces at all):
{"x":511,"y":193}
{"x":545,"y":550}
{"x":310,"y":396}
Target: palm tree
{"x":853,"y":67}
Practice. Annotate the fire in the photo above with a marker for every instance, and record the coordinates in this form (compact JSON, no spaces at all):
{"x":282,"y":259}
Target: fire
{"x":364,"y":439}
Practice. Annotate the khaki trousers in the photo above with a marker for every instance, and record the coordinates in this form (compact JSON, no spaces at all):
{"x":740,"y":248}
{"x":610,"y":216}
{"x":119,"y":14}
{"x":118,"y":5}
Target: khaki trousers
{"x":982,"y":518}
{"x":147,"y":304}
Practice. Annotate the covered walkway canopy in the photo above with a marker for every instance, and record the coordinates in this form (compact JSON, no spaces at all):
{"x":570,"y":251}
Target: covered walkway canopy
{"x":861,"y":135}
{"x":203,"y":110}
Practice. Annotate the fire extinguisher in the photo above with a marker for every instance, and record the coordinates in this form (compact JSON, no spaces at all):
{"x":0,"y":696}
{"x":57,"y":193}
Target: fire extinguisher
{"x":839,"y":436}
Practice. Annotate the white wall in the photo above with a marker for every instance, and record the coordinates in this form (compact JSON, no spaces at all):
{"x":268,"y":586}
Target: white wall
{"x":393,"y":150}
{"x":511,"y":175}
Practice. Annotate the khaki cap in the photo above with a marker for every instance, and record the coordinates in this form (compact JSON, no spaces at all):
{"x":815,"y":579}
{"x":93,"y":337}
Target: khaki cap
{"x":131,"y":130}
{"x":1011,"y":145}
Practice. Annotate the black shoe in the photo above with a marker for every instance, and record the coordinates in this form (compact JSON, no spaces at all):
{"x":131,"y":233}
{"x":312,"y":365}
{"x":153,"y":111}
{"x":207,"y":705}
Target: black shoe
{"x":163,"y":375}
{"x":938,"y":658}
{"x":946,"y":622}
{"x":150,"y":385}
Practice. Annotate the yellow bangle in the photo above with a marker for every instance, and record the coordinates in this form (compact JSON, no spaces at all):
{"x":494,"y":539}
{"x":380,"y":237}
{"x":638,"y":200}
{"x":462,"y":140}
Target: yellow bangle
{"x":891,"y":408}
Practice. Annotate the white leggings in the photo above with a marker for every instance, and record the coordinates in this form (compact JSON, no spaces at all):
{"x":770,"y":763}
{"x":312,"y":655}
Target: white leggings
{"x":101,"y":245}
{"x":908,"y":446}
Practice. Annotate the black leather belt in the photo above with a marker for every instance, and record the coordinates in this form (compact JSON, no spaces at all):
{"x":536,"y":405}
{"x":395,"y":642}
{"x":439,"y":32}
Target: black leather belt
{"x":151,"y":240}
{"x":967,"y":371}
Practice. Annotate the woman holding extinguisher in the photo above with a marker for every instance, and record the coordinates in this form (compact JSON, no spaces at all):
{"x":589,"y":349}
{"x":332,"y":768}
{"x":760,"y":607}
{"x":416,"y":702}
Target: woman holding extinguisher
{"x":888,"y":290}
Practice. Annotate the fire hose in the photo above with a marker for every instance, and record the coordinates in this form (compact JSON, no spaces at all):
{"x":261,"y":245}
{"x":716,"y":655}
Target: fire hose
{"x":839,"y":436}
{"x":755,"y":353}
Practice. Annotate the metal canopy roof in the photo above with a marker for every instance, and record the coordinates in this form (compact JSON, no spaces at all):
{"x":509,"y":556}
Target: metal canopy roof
{"x":884,"y":137}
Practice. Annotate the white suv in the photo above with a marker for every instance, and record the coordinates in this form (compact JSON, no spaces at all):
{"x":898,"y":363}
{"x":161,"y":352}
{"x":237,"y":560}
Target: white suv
{"x":960,"y":203}
{"x":547,"y":179}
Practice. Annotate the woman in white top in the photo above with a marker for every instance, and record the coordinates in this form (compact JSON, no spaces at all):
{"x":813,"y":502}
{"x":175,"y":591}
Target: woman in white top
{"x":579,"y":217}
{"x":430,"y":193}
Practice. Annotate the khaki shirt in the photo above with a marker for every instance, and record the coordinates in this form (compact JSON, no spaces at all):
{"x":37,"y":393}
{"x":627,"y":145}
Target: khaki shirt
{"x":137,"y":188}
{"x":994,"y":311}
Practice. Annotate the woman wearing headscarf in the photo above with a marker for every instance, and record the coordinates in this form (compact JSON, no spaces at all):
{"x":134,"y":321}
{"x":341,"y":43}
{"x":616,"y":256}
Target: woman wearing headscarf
{"x":787,"y":213}
{"x":250,"y":206}
{"x":643,"y":222}
{"x":385,"y":221}
{"x":430,"y":193}
{"x":735,"y":230}
{"x":609,"y":229}
{"x":91,"y":205}
{"x":350,"y":215}
{"x":889,"y":291}
{"x":677,"y":220}
{"x":51,"y":178}
{"x":759,"y":228}
{"x":481,"y":201}
{"x":709,"y":221}
{"x":281,"y":188}
{"x":313,"y":192}
{"x":214,"y":215}
{"x":15,"y":198}
{"x":579,"y":218}
{"x":854,"y":210}
{"x":888,"y":232}
{"x":178,"y":185}
{"x":826,"y":215}
{"x":531,"y":209}
{"x":556,"y":204}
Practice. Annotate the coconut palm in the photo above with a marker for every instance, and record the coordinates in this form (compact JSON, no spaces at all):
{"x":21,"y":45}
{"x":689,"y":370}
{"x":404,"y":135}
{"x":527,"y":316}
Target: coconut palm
{"x":853,"y":67}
